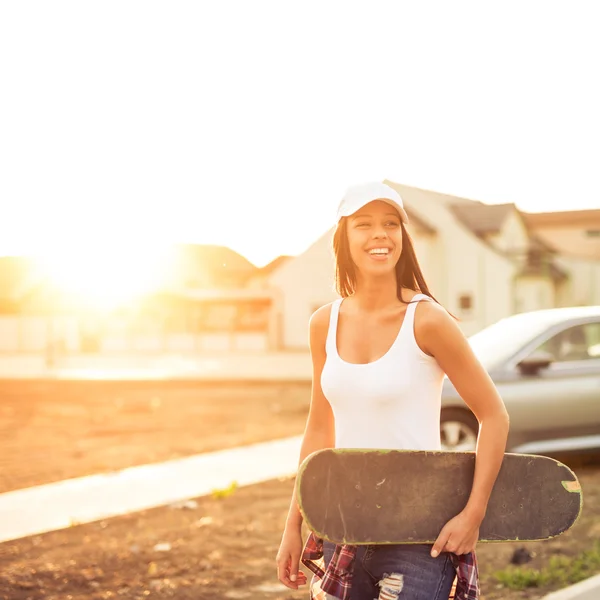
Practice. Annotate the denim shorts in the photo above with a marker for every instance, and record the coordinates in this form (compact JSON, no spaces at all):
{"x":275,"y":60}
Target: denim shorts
{"x":377,"y":571}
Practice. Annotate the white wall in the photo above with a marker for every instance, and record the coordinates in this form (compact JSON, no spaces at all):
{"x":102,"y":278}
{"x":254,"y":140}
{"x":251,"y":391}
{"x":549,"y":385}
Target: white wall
{"x":467,"y":266}
{"x":427,"y":248}
{"x":513,"y":237}
{"x":21,"y":333}
{"x":583,"y":285}
{"x":26,"y":334}
{"x":305,"y":283}
{"x":534,"y":293}
{"x":9,"y":334}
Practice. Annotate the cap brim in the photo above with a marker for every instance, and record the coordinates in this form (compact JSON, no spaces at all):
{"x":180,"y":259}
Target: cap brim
{"x":347,"y":211}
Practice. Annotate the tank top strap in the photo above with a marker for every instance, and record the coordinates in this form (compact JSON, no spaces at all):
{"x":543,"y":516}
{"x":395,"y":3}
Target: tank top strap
{"x":418,"y":297}
{"x":409,"y":318}
{"x":331,"y":341}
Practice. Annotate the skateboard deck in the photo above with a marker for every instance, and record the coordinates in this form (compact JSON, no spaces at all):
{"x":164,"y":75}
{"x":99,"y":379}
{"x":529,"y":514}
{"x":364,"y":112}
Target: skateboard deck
{"x":396,"y":497}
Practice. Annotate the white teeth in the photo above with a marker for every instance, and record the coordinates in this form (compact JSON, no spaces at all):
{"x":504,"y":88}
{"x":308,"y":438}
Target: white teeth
{"x":379,"y":251}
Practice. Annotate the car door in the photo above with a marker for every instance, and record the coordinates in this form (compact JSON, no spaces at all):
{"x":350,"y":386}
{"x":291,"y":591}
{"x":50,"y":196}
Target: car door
{"x":562,"y":400}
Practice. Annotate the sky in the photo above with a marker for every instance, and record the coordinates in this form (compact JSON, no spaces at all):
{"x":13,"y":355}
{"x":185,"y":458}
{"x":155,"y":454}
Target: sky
{"x":132,"y":125}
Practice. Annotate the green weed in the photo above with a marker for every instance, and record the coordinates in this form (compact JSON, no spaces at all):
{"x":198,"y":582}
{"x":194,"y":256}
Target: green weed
{"x":560,"y":570}
{"x":225,"y":492}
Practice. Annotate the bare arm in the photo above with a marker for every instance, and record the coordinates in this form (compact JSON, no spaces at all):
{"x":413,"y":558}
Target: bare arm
{"x":319,"y":432}
{"x":438,"y":335}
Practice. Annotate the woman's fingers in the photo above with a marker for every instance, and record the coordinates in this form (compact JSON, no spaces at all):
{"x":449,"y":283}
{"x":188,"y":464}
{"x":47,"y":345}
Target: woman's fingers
{"x":288,"y":573}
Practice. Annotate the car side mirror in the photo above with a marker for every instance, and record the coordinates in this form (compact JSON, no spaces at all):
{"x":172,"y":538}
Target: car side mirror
{"x":535,"y":362}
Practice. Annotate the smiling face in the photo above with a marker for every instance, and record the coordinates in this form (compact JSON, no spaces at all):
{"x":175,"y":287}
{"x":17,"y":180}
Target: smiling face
{"x":375,"y":238}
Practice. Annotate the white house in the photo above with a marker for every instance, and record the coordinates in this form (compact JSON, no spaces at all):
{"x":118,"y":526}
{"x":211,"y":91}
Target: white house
{"x":482,"y":262}
{"x":575,"y":236}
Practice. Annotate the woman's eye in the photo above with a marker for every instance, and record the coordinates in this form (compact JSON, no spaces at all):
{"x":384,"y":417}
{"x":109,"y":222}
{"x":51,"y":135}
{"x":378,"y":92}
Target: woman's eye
{"x":392,"y":224}
{"x":362,"y":224}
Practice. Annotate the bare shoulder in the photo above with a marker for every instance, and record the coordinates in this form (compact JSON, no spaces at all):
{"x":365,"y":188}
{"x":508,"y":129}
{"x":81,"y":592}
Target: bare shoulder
{"x":433,"y":323}
{"x":321,"y":316}
{"x":319,"y":324}
{"x":430,"y":314}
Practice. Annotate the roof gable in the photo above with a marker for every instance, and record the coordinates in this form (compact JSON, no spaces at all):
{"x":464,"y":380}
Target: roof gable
{"x":206,"y":265}
{"x":273,"y":265}
{"x":567,"y":218}
{"x":482,"y":219}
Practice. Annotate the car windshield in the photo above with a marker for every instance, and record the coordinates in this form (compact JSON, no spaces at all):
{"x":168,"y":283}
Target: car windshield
{"x":498,"y":342}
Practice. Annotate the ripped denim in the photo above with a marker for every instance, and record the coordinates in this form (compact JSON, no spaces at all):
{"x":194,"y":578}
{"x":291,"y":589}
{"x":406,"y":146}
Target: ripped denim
{"x":399,"y":572}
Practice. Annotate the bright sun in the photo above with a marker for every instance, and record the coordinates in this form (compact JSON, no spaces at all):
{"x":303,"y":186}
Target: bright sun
{"x":107,"y":275}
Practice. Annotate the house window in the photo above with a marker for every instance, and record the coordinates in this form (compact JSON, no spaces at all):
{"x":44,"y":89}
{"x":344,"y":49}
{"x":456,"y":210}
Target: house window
{"x":465,"y":302}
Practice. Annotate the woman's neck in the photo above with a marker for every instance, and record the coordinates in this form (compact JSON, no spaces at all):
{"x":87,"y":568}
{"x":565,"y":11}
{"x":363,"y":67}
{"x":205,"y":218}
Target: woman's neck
{"x":372,"y":294}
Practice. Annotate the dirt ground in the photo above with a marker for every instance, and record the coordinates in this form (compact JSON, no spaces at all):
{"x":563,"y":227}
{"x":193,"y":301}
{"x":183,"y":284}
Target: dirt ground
{"x":219,"y":548}
{"x":52,"y":430}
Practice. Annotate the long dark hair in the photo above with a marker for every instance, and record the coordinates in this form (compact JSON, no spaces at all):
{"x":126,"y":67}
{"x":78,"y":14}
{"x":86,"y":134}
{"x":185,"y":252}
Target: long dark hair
{"x":408,"y":271}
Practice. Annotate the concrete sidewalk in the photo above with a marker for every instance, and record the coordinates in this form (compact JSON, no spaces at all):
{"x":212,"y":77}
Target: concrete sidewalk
{"x":584,"y":590}
{"x":256,"y":366}
{"x":65,"y":503}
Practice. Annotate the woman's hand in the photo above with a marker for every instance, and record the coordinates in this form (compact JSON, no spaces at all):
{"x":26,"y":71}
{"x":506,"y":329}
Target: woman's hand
{"x":459,"y":535}
{"x":288,"y":559}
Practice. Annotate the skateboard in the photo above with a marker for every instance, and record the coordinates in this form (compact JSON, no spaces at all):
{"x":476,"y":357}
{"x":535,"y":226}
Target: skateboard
{"x":353,"y":496}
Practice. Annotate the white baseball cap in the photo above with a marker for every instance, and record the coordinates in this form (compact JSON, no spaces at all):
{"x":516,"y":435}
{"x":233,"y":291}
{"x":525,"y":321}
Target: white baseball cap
{"x":358,"y":196}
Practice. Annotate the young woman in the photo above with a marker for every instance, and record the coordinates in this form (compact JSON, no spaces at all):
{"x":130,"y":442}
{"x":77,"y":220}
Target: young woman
{"x":379,"y":358}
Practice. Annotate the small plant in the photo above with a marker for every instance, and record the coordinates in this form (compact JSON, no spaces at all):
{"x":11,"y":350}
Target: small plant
{"x":560,"y":570}
{"x":225,"y":492}
{"x":520,"y":578}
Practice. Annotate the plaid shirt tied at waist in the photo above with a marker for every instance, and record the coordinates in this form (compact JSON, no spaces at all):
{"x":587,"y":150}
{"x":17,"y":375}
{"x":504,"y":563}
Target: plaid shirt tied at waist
{"x":336,"y":580}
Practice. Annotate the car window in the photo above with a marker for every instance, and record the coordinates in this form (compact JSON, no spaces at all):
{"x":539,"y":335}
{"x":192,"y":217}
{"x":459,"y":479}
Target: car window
{"x":581,"y":342}
{"x":498,"y":342}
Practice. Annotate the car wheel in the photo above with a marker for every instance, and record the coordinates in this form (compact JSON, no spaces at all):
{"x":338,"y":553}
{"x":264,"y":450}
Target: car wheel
{"x":458,"y":430}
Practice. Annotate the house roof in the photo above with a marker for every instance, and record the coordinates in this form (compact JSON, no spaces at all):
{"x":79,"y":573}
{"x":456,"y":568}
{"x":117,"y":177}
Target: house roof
{"x":214,"y":255}
{"x":536,"y":243}
{"x":482,"y":218}
{"x":568,"y":218}
{"x":478,"y":217}
{"x":439,"y":196}
{"x":214,"y":265}
{"x":415,"y":219}
{"x":273,"y":265}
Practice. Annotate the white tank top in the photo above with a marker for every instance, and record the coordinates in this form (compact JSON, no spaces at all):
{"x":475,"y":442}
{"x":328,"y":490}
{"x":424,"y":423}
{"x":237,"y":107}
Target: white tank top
{"x":393,"y":402}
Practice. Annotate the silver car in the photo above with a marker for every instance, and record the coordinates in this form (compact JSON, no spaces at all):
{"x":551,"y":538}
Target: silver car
{"x":546,"y":366}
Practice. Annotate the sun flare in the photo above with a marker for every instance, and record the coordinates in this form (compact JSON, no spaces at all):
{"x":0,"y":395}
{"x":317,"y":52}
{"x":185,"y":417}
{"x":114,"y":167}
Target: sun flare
{"x":106,"y":276}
